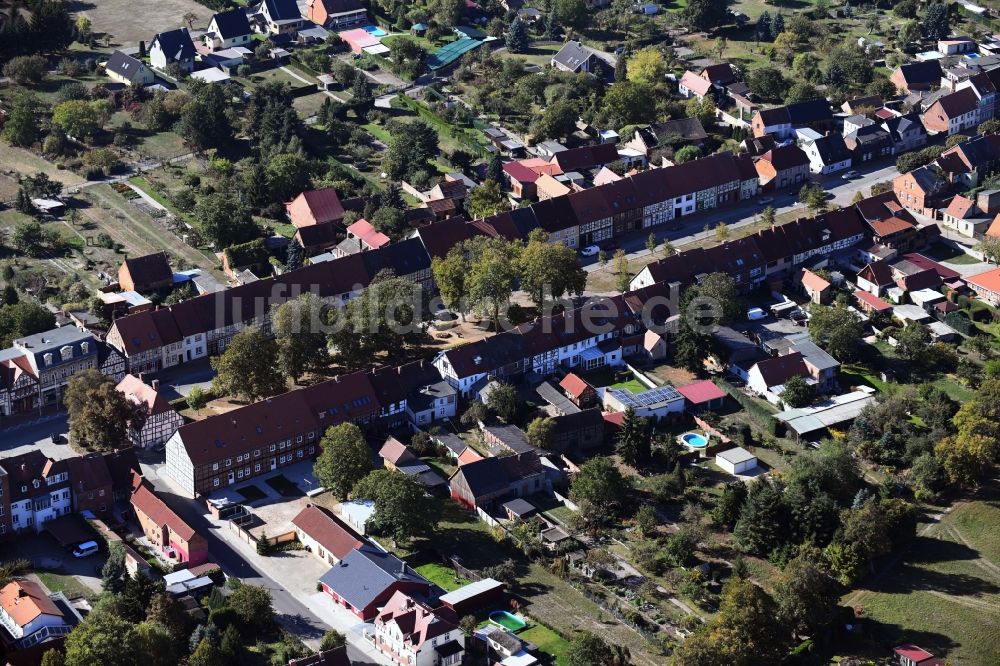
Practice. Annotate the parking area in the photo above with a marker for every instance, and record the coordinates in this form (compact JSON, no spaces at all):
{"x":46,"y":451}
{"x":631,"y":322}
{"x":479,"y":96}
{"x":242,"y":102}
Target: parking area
{"x":55,"y":565}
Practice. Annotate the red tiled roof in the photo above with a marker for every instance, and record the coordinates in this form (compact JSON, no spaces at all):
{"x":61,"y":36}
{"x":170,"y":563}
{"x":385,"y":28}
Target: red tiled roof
{"x":327,"y":531}
{"x":695,"y":83}
{"x":25,"y":600}
{"x":960,"y":207}
{"x":519,"y":172}
{"x":149,"y":504}
{"x":396,"y":452}
{"x":701,"y":392}
{"x":994,"y":229}
{"x":912,"y":652}
{"x":921,"y":261}
{"x":574,"y":385}
{"x":779,"y":369}
{"x":315,"y":207}
{"x":874,"y":301}
{"x":889,"y":226}
{"x":989,"y":281}
{"x":467,"y":456}
{"x":812,"y":281}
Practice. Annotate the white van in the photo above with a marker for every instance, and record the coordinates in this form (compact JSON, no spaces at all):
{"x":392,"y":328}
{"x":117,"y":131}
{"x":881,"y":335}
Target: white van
{"x":86,"y":549}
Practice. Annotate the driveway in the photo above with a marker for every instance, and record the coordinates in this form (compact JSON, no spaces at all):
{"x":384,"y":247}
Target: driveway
{"x":48,"y":556}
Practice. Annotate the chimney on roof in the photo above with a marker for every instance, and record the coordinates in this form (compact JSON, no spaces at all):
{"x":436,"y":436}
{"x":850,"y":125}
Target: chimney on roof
{"x":155,"y":384}
{"x":478,"y":360}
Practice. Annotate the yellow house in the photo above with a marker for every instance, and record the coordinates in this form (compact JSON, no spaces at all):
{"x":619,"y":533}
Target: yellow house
{"x":125,"y":69}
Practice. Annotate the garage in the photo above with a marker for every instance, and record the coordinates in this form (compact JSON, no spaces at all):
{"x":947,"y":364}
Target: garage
{"x":736,"y":461}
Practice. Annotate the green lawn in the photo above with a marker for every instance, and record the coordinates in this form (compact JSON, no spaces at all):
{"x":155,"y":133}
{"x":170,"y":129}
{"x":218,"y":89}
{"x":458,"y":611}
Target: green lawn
{"x":442,"y":576}
{"x":942,"y":252}
{"x":633,"y":385}
{"x":547,"y":641}
{"x":68,"y":585}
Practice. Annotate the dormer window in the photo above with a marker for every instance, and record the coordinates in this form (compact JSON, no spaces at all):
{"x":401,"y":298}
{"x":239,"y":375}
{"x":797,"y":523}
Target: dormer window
{"x":85,"y":347}
{"x":47,"y":358}
{"x":66,"y":353}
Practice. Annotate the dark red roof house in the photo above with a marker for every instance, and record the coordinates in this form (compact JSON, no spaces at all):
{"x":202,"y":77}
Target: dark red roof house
{"x":323,"y":535}
{"x":315,"y":207}
{"x":702,"y":395}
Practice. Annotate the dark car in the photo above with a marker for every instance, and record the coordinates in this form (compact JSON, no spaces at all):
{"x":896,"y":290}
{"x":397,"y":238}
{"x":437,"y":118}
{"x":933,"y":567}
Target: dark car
{"x":58,"y":439}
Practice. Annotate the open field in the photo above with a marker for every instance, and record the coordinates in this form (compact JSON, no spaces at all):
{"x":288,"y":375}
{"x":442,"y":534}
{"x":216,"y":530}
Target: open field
{"x":128,"y":21}
{"x":15,"y":160}
{"x":442,"y":576}
{"x":945,"y":593}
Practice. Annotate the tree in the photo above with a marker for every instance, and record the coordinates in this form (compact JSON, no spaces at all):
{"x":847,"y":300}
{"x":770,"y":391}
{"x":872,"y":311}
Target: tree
{"x":763,"y":524}
{"x":21,"y":128}
{"x":402,"y":508}
{"x":494,"y":168}
{"x":768,"y":82}
{"x":252,"y":605}
{"x":797,"y":393}
{"x":623,"y":276}
{"x":601,"y":484}
{"x":587,"y":649}
{"x":504,"y":402}
{"x":23,"y":319}
{"x":549,"y":270}
{"x":912,"y":342}
{"x":205,"y":654}
{"x":746,"y":630}
{"x":26,"y":69}
{"x":28,"y":237}
{"x":634,"y":439}
{"x":53,"y":657}
{"x":558,"y":120}
{"x":99,"y":414}
{"x":225,"y":221}
{"x":332,"y":639}
{"x":705,"y":14}
{"x":294,"y":255}
{"x":344,"y":459}
{"x":203,"y":120}
{"x":767,"y":216}
{"x":720,"y":291}
{"x":806,"y":594}
{"x":686,"y":154}
{"x":517,"y":36}
{"x":573,"y":13}
{"x":287,"y":175}
{"x":248,"y":369}
{"x":628,"y":103}
{"x":449,"y":276}
{"x":540,"y":432}
{"x":103,"y":638}
{"x":361,"y":92}
{"x":77,"y":118}
{"x":299,"y":334}
{"x":727,"y":510}
{"x":814,"y":197}
{"x":647,"y":66}
{"x":486,"y":200}
{"x":492,"y":272}
{"x":935,"y":22}
{"x":410,"y":146}
{"x":113,"y":572}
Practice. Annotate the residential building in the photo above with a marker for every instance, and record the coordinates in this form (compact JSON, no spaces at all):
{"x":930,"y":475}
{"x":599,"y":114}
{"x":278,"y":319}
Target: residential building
{"x":155,"y":420}
{"x":827,"y":154}
{"x":367,"y":577}
{"x":577,"y":433}
{"x":172,"y":48}
{"x":336,"y":14}
{"x":782,"y":167}
{"x":964,"y":216}
{"x":920,"y":190}
{"x":816,"y":288}
{"x":91,"y":484}
{"x":970,"y":162}
{"x":782,"y":121}
{"x":822,"y":367}
{"x":175,"y":539}
{"x":146,"y":274}
{"x":585,"y":157}
{"x":489,"y":482}
{"x":953,"y":113}
{"x":920,"y":75}
{"x":228,"y":29}
{"x":323,"y":535}
{"x":986,"y":286}
{"x":869,"y":143}
{"x":875,"y":278}
{"x":32,"y":616}
{"x":432,"y":402}
{"x":39,"y":490}
{"x":767,"y":377}
{"x":656,"y":403}
{"x":576,"y":58}
{"x":409,"y":633}
{"x":914,"y":655}
{"x":53,"y":357}
{"x":320,"y":206}
{"x":361,"y":236}
{"x":128,"y":70}
{"x":654,"y":140}
{"x":579,"y":391}
{"x":692,"y":85}
{"x":277,"y":17}
{"x":335,"y":657}
{"x":871,"y":304}
{"x":907,"y":132}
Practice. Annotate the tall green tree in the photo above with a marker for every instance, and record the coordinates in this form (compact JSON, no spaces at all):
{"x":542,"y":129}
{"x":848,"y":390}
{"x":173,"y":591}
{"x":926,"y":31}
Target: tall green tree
{"x":99,"y":414}
{"x":517,"y":36}
{"x":344,"y":459}
{"x":449,"y":276}
{"x":705,"y":14}
{"x":634,"y":439}
{"x":298,"y":327}
{"x":252,"y":604}
{"x":763,"y":524}
{"x":103,"y":638}
{"x":248,"y":369}
{"x":492,"y":275}
{"x":403,"y":509}
{"x":549,"y":270}
{"x":21,"y":128}
{"x":225,"y":221}
{"x":602,"y":485}
{"x":204,"y":121}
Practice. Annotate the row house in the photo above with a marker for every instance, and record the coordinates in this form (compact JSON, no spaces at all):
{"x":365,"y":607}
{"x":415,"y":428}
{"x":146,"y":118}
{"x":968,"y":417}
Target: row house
{"x":203,"y":326}
{"x":154,"y":420}
{"x":409,"y":633}
{"x":782,"y":167}
{"x":750,"y":260}
{"x":164,"y":528}
{"x":921,"y":190}
{"x":577,"y":338}
{"x":970,"y":162}
{"x":889,"y":221}
{"x":38,"y":491}
{"x":907,"y":132}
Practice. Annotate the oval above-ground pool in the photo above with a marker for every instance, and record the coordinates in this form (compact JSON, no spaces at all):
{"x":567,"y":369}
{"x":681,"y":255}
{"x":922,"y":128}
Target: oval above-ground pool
{"x":508,"y":621}
{"x":694,"y":440}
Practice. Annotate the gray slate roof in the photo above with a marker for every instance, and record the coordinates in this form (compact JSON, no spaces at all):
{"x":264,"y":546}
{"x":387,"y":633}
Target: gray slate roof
{"x":366,"y":572}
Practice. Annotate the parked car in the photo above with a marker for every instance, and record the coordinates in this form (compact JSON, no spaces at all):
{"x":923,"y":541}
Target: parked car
{"x":58,"y":439}
{"x":763,"y":201}
{"x":590,"y":251}
{"x":86,"y":549}
{"x":850,"y":175}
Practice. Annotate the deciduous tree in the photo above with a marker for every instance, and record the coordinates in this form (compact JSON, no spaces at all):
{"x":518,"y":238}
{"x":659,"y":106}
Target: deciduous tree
{"x":248,"y":369}
{"x":402,"y":508}
{"x":98,"y":414}
{"x":344,"y":459}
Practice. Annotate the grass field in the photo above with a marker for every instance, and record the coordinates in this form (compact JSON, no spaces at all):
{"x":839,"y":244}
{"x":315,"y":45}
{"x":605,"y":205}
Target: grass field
{"x":68,"y":585}
{"x":128,"y":21}
{"x":547,"y":641}
{"x":441,"y":575}
{"x":945,"y":593}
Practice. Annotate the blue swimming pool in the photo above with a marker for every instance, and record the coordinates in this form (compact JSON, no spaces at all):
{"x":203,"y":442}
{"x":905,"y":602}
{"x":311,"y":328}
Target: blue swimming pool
{"x":508,"y":621}
{"x":694,"y":440}
{"x":375,"y":30}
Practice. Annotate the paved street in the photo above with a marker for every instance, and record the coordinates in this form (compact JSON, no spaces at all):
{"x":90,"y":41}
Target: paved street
{"x":741,"y":215}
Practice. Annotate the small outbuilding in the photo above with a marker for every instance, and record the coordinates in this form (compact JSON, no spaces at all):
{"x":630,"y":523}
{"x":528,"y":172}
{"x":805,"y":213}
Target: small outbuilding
{"x":736,"y":461}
